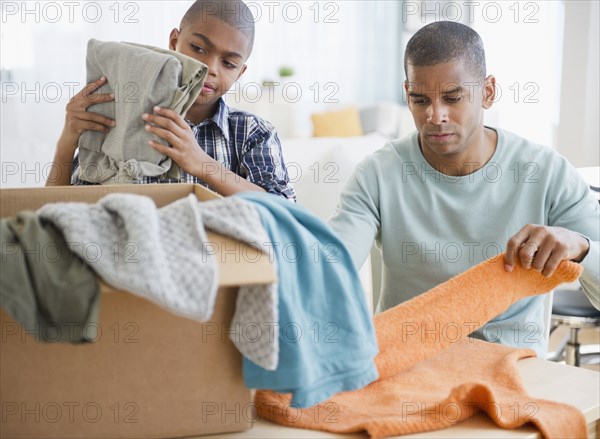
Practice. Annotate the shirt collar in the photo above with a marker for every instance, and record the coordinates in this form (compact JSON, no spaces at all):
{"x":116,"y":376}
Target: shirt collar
{"x":221,"y":118}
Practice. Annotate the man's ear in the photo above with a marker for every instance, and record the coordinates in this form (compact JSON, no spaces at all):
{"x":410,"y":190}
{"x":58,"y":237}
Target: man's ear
{"x":173,"y":38}
{"x":242,"y":70}
{"x":489,"y":92}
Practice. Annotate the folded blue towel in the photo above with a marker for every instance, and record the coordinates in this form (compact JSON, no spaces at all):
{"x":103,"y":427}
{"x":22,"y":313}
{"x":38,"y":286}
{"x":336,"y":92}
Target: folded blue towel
{"x":327,"y":340}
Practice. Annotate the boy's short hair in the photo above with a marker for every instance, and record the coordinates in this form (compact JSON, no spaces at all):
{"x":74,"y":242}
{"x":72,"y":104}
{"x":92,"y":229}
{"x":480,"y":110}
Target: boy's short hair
{"x":445,"y":41}
{"x":233,"y":12}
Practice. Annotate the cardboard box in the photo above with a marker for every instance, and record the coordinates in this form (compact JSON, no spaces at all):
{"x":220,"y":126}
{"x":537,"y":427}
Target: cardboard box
{"x":150,"y":373}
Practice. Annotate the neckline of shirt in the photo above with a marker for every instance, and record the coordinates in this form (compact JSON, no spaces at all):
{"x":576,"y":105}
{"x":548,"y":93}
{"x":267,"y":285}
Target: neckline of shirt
{"x":479,"y":174}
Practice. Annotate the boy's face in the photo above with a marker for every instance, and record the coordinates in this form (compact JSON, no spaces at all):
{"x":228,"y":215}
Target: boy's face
{"x":447,"y":102}
{"x":221,"y":47}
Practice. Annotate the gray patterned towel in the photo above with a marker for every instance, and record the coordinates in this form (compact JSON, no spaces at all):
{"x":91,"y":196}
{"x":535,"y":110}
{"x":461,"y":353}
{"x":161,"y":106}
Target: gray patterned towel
{"x":164,"y":255}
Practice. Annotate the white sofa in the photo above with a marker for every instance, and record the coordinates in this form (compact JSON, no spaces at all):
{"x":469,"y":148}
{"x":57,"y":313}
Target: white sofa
{"x":319,"y":167}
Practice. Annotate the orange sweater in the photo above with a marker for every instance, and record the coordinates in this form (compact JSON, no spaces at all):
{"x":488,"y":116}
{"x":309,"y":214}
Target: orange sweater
{"x":423,"y":383}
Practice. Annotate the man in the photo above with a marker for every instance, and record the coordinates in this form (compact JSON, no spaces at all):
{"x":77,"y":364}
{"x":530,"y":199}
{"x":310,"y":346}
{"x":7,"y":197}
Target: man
{"x":457,"y":192}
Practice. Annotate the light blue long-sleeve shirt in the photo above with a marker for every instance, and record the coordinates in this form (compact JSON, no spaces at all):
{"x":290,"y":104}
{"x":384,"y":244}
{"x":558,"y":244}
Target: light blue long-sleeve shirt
{"x":431,"y":226}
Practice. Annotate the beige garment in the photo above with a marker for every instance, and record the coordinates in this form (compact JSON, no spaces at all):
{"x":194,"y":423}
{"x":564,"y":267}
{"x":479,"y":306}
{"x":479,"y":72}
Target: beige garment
{"x":141,"y":77}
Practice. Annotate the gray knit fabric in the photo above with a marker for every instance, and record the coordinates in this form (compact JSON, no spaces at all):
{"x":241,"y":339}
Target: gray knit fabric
{"x":159,"y":254}
{"x":164,"y":255}
{"x":141,"y":77}
{"x":254,"y":328}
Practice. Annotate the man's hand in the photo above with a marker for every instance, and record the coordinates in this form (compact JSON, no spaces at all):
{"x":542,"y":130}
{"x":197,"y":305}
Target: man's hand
{"x":543,"y":247}
{"x":184,"y":150}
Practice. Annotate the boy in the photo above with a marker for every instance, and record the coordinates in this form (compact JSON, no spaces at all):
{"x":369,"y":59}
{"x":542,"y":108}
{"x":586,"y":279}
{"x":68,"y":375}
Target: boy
{"x":456,"y":192}
{"x":213,"y":145}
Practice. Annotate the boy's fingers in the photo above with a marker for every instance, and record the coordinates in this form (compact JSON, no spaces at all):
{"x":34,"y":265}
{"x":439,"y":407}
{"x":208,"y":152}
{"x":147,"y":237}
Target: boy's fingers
{"x":161,"y":148}
{"x":93,"y":86}
{"x":95,"y":117}
{"x":84,"y":125}
{"x":81,"y":102}
{"x":163,"y":122}
{"x":98,"y":98}
{"x":162,"y":133}
{"x":170,"y":114}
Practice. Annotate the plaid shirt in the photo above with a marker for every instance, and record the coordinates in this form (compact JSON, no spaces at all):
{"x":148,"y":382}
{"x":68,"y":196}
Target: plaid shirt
{"x":241,"y":142}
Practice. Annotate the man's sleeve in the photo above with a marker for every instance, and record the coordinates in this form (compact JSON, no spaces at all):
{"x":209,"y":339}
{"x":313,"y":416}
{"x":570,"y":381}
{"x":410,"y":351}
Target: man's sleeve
{"x":356,"y":220}
{"x":574,"y":207}
{"x":262,"y":161}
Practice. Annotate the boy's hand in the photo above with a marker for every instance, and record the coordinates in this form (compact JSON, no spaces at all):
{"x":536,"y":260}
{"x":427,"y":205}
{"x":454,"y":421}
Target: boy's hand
{"x":543,"y":247}
{"x":184,"y":150}
{"x":78,"y":119}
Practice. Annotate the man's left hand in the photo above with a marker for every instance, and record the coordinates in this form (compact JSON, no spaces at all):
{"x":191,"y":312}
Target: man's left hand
{"x":543,"y":247}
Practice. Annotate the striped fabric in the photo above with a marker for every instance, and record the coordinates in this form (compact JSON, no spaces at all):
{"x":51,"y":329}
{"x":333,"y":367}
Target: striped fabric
{"x":241,"y":142}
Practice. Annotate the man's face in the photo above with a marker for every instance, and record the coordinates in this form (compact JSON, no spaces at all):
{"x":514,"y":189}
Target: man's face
{"x":447,"y":102}
{"x":221,"y":47}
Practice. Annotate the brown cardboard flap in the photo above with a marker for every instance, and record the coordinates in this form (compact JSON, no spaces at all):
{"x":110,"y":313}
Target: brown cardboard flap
{"x":15,"y":200}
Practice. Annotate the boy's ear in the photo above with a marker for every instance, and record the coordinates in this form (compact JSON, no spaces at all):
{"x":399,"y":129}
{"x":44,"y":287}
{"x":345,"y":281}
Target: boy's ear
{"x":173,"y":38}
{"x":489,"y":92}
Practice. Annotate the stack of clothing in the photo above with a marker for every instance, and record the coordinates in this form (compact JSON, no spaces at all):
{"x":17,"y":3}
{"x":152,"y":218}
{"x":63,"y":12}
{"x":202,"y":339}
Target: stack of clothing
{"x":325,"y":339}
{"x":140,"y":77}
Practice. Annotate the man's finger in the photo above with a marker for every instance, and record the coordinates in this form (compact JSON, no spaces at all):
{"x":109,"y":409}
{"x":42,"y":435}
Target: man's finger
{"x":527,"y":253}
{"x":543,"y":253}
{"x":513,"y":246}
{"x":552,"y":264}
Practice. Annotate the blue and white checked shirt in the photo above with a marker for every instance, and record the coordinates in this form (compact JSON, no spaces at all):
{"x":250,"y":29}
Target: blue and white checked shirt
{"x":241,"y":142}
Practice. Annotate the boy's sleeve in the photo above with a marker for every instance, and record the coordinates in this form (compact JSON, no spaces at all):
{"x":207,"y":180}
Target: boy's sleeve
{"x":75,"y":180}
{"x":263,"y":162}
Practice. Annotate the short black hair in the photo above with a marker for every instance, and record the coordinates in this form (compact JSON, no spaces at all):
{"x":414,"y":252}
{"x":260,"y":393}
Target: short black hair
{"x":445,"y":41}
{"x":233,"y":12}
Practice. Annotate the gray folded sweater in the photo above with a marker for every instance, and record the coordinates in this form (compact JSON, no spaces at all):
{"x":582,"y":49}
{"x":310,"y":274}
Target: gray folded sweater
{"x":164,"y":256}
{"x":141,"y":77}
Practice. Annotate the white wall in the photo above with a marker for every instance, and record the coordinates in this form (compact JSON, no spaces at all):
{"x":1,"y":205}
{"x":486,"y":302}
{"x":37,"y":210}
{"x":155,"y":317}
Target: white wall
{"x":524,"y":52}
{"x":353,"y":46}
{"x":578,"y":131}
